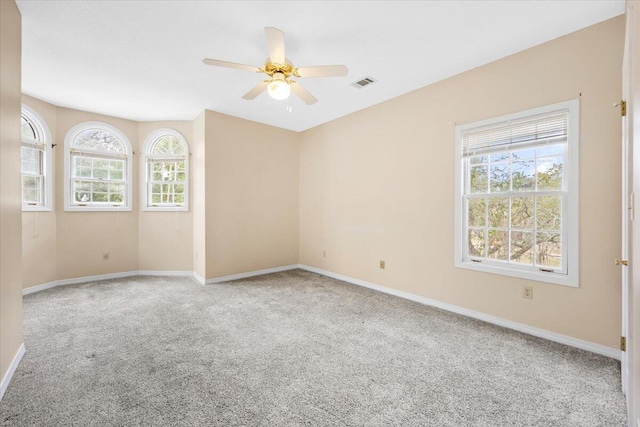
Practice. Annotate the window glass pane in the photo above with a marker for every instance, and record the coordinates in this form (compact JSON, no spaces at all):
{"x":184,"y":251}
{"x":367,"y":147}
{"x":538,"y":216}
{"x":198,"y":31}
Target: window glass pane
{"x":115,"y":198}
{"x":478,"y":179}
{"x":116,"y":188}
{"x":100,"y":197}
{"x":82,"y":196}
{"x":83,"y":172}
{"x":28,"y":131}
{"x":479,"y":159}
{"x":82,"y":162}
{"x":155,"y":198}
{"x":178,"y":188}
{"x":522,"y":212}
{"x":502,"y":156}
{"x":550,"y":150}
{"x":529,"y":153}
{"x":179,"y":198}
{"x":524,"y":175}
{"x":521,"y":247}
{"x":498,"y":212}
{"x":549,"y":213}
{"x":499,"y":177}
{"x":99,"y":140}
{"x":549,"y":249}
{"x":498,"y":244}
{"x":168,"y":144}
{"x":476,"y":243}
{"x":550,"y":173}
{"x":100,"y":173}
{"x":31,"y":160}
{"x":118,"y":175}
{"x":100,"y":187}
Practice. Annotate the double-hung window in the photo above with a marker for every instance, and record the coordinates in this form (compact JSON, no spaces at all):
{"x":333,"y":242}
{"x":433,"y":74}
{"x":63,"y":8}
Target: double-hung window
{"x":167,"y":171}
{"x":35,"y":162}
{"x":98,"y":164}
{"x":517,"y":201}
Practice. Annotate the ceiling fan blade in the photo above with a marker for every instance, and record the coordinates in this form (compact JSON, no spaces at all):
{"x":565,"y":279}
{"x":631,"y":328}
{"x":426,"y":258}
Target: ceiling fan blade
{"x":323,"y":71}
{"x":303,"y":94}
{"x":257,"y":90}
{"x":218,"y":63}
{"x":275,"y":44}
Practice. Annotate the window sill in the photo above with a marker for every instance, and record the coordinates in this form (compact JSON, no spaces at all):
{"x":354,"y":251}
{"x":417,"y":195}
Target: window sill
{"x":97,"y":209}
{"x":554,"y":278}
{"x":165,"y":209}
{"x":36,"y":209}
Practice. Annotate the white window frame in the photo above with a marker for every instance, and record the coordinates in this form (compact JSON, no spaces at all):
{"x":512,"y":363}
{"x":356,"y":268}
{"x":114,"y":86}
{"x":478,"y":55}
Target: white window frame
{"x":43,"y":137}
{"x":144,"y":183}
{"x":570,"y":229}
{"x":68,"y":182}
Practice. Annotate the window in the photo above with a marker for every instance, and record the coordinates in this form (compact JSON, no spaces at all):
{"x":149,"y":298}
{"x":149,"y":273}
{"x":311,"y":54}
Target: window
{"x":98,"y":168}
{"x":167,"y":171}
{"x":517,"y":201}
{"x":35,"y":162}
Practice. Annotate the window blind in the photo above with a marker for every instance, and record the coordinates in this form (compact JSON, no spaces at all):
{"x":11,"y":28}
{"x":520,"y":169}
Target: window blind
{"x":548,"y":127}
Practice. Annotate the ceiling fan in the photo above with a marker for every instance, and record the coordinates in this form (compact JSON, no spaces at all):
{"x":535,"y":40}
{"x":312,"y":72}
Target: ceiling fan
{"x":280,"y":70}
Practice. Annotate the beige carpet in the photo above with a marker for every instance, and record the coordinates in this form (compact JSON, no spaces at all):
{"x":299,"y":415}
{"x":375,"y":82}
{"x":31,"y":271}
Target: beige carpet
{"x":289,"y":349}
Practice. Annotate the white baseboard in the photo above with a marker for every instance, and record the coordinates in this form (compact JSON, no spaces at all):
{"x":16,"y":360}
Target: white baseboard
{"x":199,"y":278}
{"x":542,"y":333}
{"x":78,"y":280}
{"x":12,"y":369}
{"x":175,"y":273}
{"x":251,"y":274}
{"x":193,"y":274}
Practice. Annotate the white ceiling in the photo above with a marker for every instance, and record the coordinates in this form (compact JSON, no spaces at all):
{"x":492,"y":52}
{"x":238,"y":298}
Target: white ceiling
{"x":142,"y":60}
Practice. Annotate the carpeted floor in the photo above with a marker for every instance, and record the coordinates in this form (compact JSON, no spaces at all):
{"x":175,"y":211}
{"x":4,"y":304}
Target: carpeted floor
{"x":289,"y":349}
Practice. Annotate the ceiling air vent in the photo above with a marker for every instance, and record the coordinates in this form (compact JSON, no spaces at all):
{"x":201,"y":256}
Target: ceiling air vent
{"x":366,"y":81}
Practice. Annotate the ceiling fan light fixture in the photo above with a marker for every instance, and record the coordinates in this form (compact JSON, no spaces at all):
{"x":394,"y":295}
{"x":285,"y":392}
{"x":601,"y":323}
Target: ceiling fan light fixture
{"x":279,"y":89}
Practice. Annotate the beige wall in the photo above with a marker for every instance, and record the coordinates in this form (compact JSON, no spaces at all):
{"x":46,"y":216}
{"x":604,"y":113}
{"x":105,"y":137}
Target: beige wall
{"x":39,"y":237}
{"x":198,"y":179}
{"x":243,"y":208}
{"x":379,"y":185}
{"x":10,"y":200}
{"x":251,"y":196}
{"x":165,"y":239}
{"x":82,"y":237}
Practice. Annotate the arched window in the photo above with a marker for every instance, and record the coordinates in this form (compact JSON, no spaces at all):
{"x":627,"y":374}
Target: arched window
{"x":35,"y":162}
{"x":98,"y":168}
{"x":167,"y":171}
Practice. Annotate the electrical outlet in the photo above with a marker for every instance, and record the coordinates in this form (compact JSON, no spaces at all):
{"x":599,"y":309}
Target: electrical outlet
{"x":382,"y":264}
{"x":105,"y":256}
{"x":527,"y":292}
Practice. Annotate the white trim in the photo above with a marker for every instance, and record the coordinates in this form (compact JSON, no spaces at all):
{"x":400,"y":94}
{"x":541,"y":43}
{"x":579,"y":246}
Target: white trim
{"x":199,"y":278}
{"x":570,"y":225}
{"x":85,"y":279}
{"x":251,"y":274}
{"x":41,"y":124}
{"x":68,"y":141}
{"x":144,"y":187}
{"x":542,"y":333}
{"x":174,"y":273}
{"x":12,"y":369}
{"x":77,"y":280}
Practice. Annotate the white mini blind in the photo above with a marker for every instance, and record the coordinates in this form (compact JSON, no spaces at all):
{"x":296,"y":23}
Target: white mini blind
{"x":548,"y":127}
